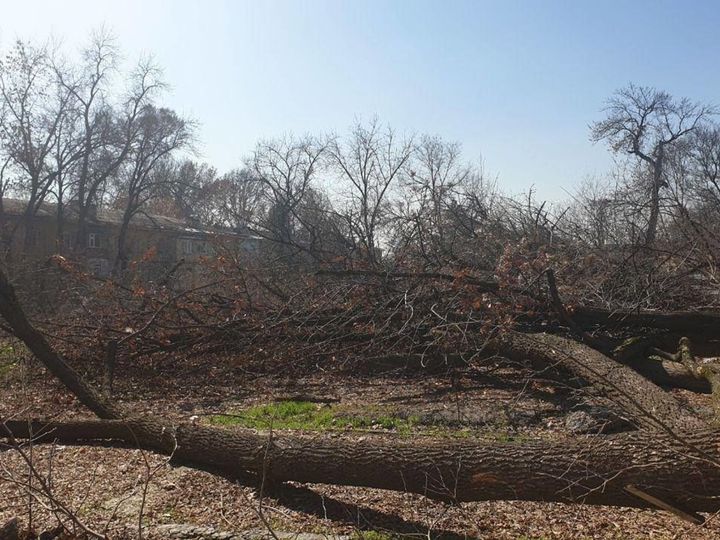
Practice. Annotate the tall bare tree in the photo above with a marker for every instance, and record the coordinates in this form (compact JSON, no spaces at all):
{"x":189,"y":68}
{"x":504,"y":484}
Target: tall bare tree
{"x":286,"y":168}
{"x":33,"y":111}
{"x":161,"y":132}
{"x":369,"y":162}
{"x":233,"y":200}
{"x":106,"y":131}
{"x":647,"y":123}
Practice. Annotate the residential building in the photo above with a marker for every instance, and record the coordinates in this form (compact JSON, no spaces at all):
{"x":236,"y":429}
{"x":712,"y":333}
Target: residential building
{"x":160,"y":241}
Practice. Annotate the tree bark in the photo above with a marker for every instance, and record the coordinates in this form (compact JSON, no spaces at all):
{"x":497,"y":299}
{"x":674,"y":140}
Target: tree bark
{"x":624,"y":390}
{"x":121,"y":256}
{"x":588,"y":470}
{"x":676,"y":459}
{"x":657,"y":183}
{"x":679,"y":321}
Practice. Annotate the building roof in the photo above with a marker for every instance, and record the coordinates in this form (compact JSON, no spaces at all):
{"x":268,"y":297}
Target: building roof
{"x":113,"y":217}
{"x":17,"y":207}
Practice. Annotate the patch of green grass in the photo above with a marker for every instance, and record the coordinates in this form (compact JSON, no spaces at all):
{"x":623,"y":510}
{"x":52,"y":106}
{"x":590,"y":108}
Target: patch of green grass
{"x":279,"y":415}
{"x":311,"y":416}
{"x":303,"y":415}
{"x":9,"y":357}
{"x":373,"y":535}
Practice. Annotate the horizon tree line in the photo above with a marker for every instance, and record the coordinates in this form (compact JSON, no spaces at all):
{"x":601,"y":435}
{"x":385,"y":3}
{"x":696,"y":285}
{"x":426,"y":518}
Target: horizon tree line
{"x":83,"y":132}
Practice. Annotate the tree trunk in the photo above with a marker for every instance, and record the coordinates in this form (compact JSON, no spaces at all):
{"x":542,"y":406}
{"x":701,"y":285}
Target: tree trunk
{"x":120,"y":263}
{"x":677,"y":321}
{"x":81,"y":236}
{"x":589,"y":470}
{"x":676,"y":461}
{"x":60,"y":229}
{"x":657,"y":184}
{"x":624,"y":390}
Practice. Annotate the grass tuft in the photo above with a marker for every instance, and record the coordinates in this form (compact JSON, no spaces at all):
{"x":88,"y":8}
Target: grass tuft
{"x":10,"y":355}
{"x":314,"y":417}
{"x":374,"y":535}
{"x":307,"y":416}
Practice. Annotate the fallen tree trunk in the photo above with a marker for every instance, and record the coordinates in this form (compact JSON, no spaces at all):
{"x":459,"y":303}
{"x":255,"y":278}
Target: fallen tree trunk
{"x":669,"y":373}
{"x":589,"y":470}
{"x":625,"y":391}
{"x":632,"y":352}
{"x":675,"y":460}
{"x":15,"y":317}
{"x":641,"y":354}
{"x":678,"y":321}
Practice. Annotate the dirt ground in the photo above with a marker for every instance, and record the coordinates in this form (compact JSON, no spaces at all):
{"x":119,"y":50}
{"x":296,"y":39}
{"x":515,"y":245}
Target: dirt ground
{"x":109,"y":489}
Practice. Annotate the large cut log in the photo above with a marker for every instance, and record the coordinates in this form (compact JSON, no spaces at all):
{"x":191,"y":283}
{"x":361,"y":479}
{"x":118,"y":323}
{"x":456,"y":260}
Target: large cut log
{"x":627,"y":392}
{"x":590,"y":470}
{"x":675,"y":460}
{"x":668,"y":373}
{"x":678,"y":321}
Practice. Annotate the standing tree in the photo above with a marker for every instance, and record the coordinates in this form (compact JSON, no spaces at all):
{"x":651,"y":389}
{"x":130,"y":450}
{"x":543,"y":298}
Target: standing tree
{"x":370,"y":162}
{"x":286,"y":168}
{"x":695,"y":187}
{"x":184,"y":194}
{"x":105,"y":133}
{"x":33,"y":109}
{"x":437,"y":184}
{"x":233,"y":200}
{"x":647,"y":124}
{"x":161,"y":132}
{"x":88,"y":125}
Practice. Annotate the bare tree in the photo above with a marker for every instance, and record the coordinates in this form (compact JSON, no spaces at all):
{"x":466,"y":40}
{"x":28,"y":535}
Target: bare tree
{"x":107,"y":133}
{"x":647,"y":123}
{"x":186,"y":193}
{"x":705,"y":162}
{"x":444,"y":205}
{"x":235,"y":200}
{"x":87,"y":84}
{"x":160,"y":133}
{"x":287,"y":168}
{"x":33,"y":111}
{"x":695,"y":189}
{"x":370,"y":162}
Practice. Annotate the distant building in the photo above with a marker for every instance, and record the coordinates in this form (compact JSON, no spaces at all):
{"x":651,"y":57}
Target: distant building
{"x":161,"y":240}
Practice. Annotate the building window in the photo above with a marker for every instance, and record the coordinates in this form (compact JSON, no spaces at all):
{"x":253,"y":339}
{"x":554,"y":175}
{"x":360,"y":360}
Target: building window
{"x":35,"y":238}
{"x":185,"y":246}
{"x":99,"y":267}
{"x":93,"y":240}
{"x":67,"y":240}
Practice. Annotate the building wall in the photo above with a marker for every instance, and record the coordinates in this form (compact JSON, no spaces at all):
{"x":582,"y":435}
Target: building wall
{"x":158,"y":249}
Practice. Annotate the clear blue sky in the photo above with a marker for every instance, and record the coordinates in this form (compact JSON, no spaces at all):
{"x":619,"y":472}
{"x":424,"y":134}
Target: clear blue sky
{"x":517,"y":83}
